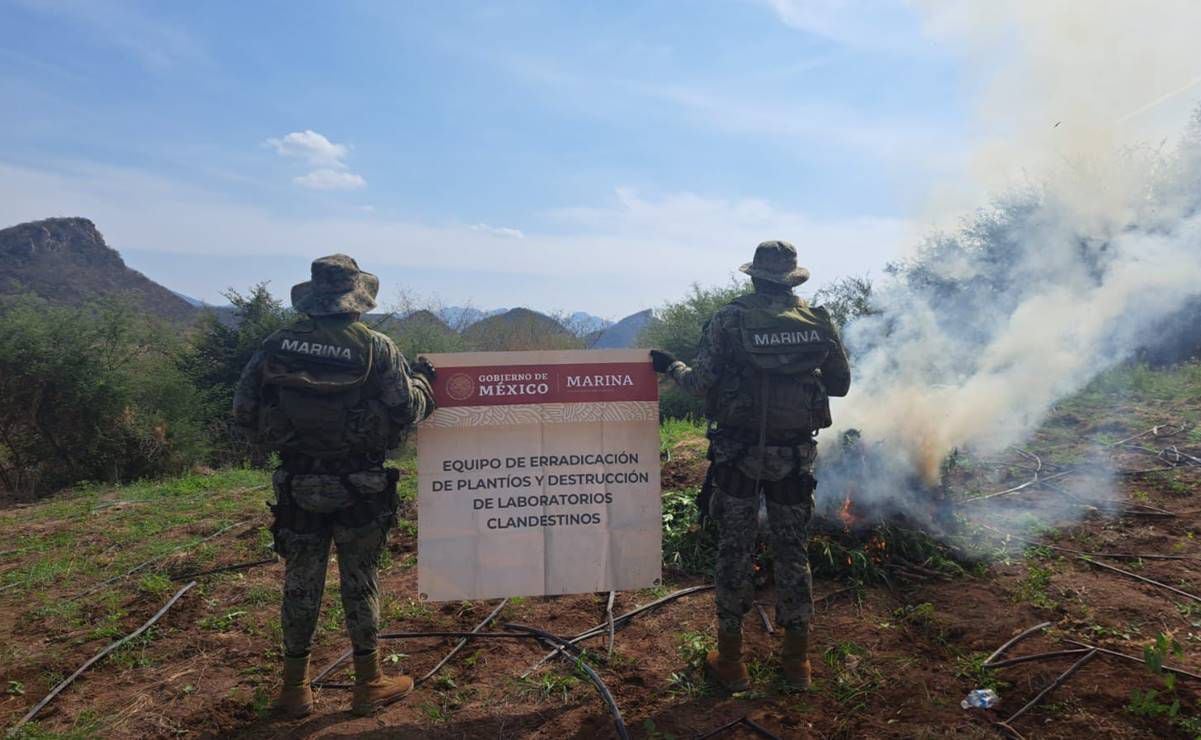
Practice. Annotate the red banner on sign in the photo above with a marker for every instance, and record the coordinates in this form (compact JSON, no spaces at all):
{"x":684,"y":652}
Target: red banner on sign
{"x":524,"y":384}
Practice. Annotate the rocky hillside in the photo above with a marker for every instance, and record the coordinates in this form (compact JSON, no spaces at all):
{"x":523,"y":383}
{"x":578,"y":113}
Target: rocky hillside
{"x":520,"y":327}
{"x":624,"y":333}
{"x":66,"y":260}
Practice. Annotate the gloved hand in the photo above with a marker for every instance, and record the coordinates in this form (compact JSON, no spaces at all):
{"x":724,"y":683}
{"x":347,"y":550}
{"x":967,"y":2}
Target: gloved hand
{"x":424,"y":367}
{"x":661,"y":360}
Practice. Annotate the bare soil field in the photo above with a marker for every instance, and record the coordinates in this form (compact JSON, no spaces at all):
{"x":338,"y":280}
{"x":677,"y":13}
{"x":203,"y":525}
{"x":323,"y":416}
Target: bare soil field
{"x":893,"y":655}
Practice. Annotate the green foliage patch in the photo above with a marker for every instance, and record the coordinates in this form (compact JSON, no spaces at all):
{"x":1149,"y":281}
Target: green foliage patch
{"x":91,"y":393}
{"x":686,"y":545}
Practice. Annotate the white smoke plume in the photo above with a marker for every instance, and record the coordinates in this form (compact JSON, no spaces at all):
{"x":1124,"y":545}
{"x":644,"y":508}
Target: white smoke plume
{"x":1068,"y":81}
{"x":985,"y":327}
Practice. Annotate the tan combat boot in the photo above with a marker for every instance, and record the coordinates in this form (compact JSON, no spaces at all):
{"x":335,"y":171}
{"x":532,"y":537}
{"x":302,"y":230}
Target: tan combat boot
{"x":295,"y":697}
{"x":794,"y":661}
{"x":725,"y":664}
{"x":372,"y":689}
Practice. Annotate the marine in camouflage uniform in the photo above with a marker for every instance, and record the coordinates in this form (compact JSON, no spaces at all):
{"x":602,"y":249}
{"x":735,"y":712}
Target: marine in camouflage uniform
{"x":332,"y":397}
{"x":767,"y":364}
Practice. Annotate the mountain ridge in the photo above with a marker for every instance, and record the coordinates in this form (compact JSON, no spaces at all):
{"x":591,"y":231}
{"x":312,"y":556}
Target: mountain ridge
{"x":66,"y":260}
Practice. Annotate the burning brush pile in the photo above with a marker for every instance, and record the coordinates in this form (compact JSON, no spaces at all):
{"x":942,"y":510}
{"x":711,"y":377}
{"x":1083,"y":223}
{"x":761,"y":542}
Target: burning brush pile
{"x":872,"y":523}
{"x":876,"y":518}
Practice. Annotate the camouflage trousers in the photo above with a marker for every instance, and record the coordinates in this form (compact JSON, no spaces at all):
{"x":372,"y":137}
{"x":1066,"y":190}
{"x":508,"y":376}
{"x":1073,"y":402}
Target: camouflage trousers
{"x":788,"y":537}
{"x":306,"y":554}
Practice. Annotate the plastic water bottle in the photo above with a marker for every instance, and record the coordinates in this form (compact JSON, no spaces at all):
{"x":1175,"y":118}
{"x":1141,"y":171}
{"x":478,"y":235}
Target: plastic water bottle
{"x":980,"y":699}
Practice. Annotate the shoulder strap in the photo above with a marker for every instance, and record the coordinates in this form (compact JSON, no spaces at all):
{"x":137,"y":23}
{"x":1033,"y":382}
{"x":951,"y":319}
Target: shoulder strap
{"x":763,"y":388}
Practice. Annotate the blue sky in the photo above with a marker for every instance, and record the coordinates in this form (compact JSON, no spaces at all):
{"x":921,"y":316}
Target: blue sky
{"x":596,"y":156}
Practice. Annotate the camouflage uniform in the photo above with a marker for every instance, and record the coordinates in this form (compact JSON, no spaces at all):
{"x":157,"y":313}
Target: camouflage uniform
{"x":740,"y":471}
{"x":348,"y":500}
{"x":788,"y":526}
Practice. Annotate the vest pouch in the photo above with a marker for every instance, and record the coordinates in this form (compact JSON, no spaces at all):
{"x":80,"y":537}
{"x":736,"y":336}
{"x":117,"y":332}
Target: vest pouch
{"x":790,"y":404}
{"x":369,"y":427}
{"x":729,"y":402}
{"x":819,"y":404}
{"x":317,"y":422}
{"x":274,"y":429}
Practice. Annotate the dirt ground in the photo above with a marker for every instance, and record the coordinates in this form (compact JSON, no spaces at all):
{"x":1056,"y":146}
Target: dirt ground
{"x":891,"y":659}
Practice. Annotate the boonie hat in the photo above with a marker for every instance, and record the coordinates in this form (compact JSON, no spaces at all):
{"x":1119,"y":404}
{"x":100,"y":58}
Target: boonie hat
{"x":338,"y":286}
{"x":776,"y":261}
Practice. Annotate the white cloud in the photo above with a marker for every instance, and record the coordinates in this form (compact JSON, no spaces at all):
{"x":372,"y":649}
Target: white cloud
{"x":499,"y":231}
{"x":330,"y":180}
{"x":331,"y":173}
{"x":312,"y":147}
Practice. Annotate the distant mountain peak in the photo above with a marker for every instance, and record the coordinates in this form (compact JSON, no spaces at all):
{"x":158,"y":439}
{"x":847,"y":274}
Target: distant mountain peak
{"x":74,"y":237}
{"x":66,"y":261}
{"x":580,"y":323}
{"x":521,"y":328}
{"x":624,"y":333}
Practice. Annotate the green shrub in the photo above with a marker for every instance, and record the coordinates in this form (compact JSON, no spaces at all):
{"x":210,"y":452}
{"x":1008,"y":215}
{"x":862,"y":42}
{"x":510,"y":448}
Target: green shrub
{"x":90,"y":393}
{"x":214,"y":359}
{"x":686,"y":545}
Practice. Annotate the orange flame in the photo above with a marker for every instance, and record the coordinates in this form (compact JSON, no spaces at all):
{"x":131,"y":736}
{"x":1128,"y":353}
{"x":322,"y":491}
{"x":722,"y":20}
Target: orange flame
{"x":847,"y":514}
{"x":876,"y":548}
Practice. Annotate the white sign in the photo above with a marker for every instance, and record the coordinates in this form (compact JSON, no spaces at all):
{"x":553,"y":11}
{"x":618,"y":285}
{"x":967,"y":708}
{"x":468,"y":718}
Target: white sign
{"x":539,"y":474}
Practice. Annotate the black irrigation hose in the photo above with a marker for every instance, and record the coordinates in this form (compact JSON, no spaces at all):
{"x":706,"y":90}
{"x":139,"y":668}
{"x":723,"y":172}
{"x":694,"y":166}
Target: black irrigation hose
{"x":158,"y":558}
{"x":226,"y":568}
{"x":1063,"y":677}
{"x":463,"y":634}
{"x":1035,"y":657}
{"x":763,"y":731}
{"x":546,"y":637}
{"x":620,"y":622}
{"x":97,"y":658}
{"x":1134,"y":659}
{"x":1013,"y":641}
{"x":317,"y":682}
{"x":462,"y":642}
{"x":745,"y":721}
{"x":718,"y":730}
{"x":533,"y":633}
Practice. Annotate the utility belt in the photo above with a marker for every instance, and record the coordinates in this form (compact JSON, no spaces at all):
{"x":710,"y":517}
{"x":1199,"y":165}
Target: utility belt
{"x":357,"y":506}
{"x":750,"y":437}
{"x":725,"y":475}
{"x":299,"y":464}
{"x":790,"y":490}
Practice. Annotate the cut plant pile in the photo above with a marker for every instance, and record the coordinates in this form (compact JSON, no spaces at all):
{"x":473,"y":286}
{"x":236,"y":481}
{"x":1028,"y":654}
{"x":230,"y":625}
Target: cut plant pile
{"x":898,"y":641}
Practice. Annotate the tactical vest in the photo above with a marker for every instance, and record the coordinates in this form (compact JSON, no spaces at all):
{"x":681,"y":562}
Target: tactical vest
{"x":771,"y":381}
{"x":318,"y":396}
